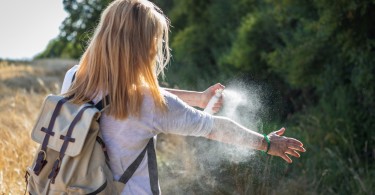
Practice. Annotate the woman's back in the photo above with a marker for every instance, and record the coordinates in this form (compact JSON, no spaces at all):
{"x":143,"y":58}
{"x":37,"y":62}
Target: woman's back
{"x":125,"y":139}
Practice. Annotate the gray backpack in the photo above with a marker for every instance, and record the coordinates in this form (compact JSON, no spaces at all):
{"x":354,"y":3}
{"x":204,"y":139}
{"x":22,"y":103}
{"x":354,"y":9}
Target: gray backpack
{"x":72,"y":157}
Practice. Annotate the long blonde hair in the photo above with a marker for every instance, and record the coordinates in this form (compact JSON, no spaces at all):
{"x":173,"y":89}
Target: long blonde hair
{"x":128,"y":50}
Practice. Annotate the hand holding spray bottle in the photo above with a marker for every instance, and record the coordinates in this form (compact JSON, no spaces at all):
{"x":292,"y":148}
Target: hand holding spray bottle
{"x":213,"y":100}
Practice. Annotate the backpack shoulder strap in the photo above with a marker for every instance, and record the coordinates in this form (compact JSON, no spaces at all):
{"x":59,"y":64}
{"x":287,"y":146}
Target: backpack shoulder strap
{"x":128,"y":173}
{"x":74,"y":76}
{"x":100,"y":104}
{"x":152,"y":167}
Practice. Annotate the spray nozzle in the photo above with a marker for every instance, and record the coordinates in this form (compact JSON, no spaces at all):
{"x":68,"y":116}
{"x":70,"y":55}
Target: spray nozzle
{"x":218,"y":92}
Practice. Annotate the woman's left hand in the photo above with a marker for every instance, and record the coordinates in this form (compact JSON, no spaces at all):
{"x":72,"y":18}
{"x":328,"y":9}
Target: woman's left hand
{"x":207,"y":95}
{"x":283,"y":146}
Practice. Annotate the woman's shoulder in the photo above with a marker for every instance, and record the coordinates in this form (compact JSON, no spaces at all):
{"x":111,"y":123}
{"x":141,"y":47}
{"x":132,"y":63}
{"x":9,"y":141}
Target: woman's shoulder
{"x":171,"y":100}
{"x":68,"y":78}
{"x":166,"y":93}
{"x":147,"y":92}
{"x":73,"y":69}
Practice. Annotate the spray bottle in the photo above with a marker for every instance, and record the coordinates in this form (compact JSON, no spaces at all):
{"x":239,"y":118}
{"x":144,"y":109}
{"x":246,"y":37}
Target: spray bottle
{"x":213,"y":101}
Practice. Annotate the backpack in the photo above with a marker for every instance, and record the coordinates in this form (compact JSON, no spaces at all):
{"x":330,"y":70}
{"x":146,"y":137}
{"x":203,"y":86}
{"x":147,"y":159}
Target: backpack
{"x":72,"y":157}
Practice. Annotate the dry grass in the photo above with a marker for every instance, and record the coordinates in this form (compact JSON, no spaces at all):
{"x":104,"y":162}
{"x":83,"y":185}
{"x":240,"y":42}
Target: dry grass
{"x":16,"y":117}
{"x":22,"y":89}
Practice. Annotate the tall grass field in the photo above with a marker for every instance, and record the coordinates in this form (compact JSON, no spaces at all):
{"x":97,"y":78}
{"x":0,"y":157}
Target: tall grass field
{"x":23,"y":86}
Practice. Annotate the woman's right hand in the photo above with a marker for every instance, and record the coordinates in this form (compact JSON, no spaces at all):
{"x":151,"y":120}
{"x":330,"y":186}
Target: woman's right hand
{"x":283,"y":146}
{"x":207,"y":95}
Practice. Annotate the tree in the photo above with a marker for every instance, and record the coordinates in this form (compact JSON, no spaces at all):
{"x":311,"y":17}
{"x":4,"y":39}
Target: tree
{"x":76,"y":29}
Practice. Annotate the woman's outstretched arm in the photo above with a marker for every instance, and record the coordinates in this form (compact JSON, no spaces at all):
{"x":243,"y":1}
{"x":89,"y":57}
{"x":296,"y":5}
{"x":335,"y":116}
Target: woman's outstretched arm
{"x":228,"y":131}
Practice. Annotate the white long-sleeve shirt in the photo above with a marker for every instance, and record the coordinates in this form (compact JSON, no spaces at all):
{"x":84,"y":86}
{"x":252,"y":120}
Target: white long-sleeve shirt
{"x":125,"y":139}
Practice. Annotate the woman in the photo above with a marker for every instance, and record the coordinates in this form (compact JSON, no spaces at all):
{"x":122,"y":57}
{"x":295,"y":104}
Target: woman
{"x":128,"y":51}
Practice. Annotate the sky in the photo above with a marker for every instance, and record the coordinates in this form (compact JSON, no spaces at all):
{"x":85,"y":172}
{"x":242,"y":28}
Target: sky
{"x":26,"y":26}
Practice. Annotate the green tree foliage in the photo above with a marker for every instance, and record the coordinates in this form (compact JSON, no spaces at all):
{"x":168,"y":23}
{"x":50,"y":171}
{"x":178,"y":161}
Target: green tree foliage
{"x":76,"y":29}
{"x":330,"y":47}
{"x":202,"y":33}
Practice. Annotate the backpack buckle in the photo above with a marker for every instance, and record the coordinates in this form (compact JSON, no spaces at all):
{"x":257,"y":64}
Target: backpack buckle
{"x":40,"y":162}
{"x":55,"y":170}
